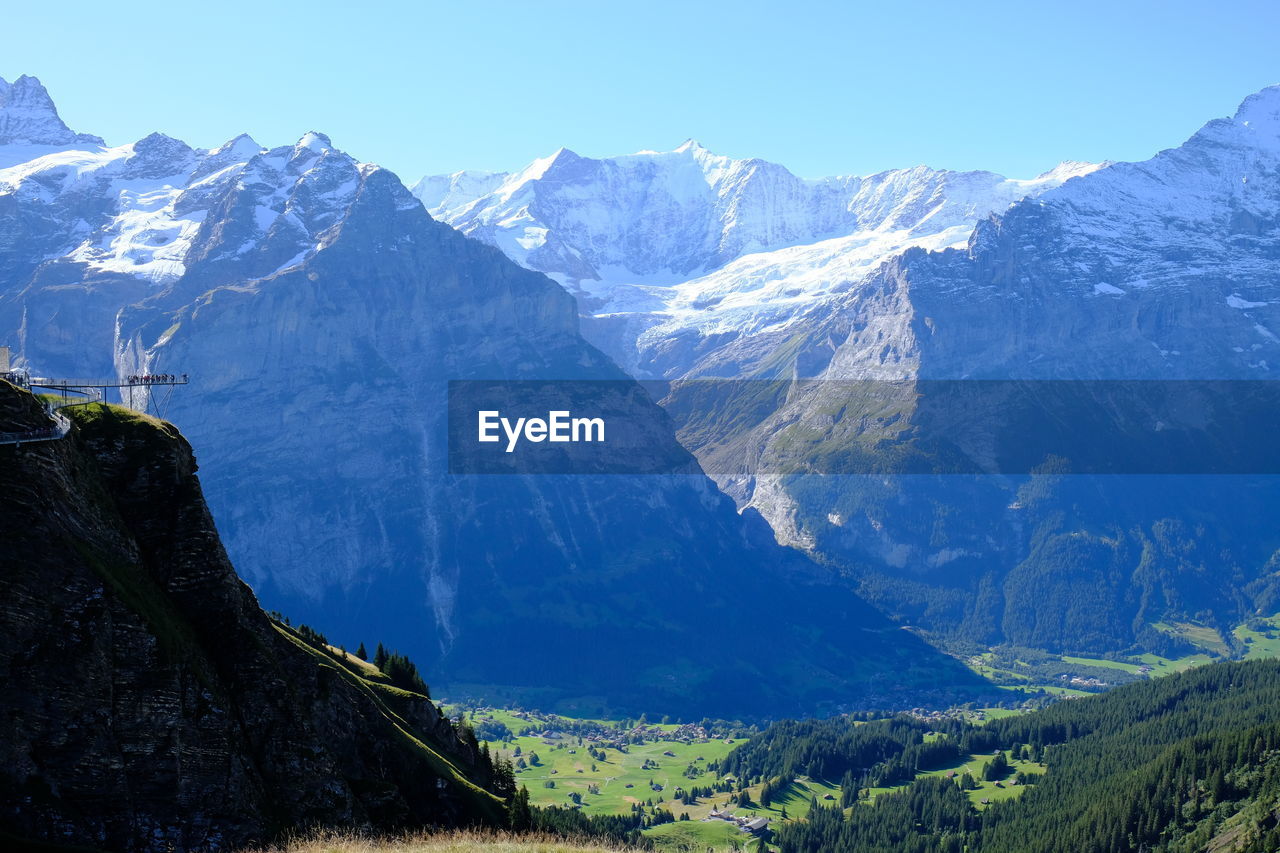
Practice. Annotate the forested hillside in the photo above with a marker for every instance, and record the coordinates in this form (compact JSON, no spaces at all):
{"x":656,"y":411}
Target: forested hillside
{"x":1188,"y":762}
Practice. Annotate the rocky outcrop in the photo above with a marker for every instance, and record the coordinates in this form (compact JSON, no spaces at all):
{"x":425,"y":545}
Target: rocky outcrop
{"x":147,"y":702}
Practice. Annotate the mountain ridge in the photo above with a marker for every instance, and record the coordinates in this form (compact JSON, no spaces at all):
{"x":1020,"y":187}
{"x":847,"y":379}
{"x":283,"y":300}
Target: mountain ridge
{"x":698,"y":249}
{"x":1160,"y":270}
{"x":321,"y":313}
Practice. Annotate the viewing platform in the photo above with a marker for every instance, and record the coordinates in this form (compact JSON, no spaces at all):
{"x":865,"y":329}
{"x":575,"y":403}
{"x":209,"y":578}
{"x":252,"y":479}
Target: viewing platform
{"x":79,"y":392}
{"x":140,"y":381}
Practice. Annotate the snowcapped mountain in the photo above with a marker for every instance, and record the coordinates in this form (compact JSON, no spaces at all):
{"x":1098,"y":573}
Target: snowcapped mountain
{"x":131,"y":222}
{"x":672,"y":254}
{"x":1164,"y":269}
{"x":321,"y":314}
{"x":29,"y":118}
{"x":689,"y":265}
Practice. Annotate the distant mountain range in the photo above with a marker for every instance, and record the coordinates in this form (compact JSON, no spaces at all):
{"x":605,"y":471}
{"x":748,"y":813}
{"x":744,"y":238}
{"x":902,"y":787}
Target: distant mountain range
{"x":688,"y":266}
{"x":673,"y":255}
{"x":320,"y":313}
{"x":323,"y":312}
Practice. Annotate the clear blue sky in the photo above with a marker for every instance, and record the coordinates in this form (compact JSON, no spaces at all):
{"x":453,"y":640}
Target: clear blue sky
{"x":822,"y":87}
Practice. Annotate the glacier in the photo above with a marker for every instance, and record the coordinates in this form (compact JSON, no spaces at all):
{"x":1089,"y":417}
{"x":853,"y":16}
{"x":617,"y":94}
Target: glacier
{"x":672,"y":254}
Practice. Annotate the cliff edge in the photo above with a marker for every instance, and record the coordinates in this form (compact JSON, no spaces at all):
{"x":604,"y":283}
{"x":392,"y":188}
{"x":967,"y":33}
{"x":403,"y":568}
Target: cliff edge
{"x":147,"y":702}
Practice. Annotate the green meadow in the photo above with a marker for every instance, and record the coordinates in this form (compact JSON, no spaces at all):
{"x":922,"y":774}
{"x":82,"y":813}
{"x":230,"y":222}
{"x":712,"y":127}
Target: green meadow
{"x":643,"y":763}
{"x":611,"y":767}
{"x":615,"y":766}
{"x":1261,"y":637}
{"x":987,"y":792}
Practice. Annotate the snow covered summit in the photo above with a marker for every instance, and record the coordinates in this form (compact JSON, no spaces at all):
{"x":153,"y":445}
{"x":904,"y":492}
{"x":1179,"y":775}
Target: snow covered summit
{"x":28,"y":117}
{"x":687,"y":244}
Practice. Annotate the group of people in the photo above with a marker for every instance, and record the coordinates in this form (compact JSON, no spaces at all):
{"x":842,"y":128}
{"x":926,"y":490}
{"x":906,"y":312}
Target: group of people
{"x":149,"y":378}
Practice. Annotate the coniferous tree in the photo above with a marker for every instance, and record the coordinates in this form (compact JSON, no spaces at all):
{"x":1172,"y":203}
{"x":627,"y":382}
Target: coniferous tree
{"x":519,"y":814}
{"x":504,"y":778}
{"x":403,"y":673}
{"x":361,"y":653}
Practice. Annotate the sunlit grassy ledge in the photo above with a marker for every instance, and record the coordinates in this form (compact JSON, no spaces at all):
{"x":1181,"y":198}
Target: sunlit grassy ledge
{"x":445,"y":842}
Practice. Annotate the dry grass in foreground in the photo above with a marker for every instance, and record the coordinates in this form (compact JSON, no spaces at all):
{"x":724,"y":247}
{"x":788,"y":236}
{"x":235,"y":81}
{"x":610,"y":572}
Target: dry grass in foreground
{"x":456,"y":841}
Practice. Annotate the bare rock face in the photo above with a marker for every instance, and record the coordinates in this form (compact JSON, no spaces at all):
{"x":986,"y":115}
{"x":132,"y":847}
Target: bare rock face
{"x":148,"y":703}
{"x":321,"y":313}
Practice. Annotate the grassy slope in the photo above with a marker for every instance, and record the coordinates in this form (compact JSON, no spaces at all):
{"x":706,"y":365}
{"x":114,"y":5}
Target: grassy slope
{"x":1259,"y":646}
{"x":383,"y":696}
{"x":567,"y":764}
{"x":448,"y":842}
{"x":697,"y":835}
{"x":989,"y":791}
{"x":561,"y":759}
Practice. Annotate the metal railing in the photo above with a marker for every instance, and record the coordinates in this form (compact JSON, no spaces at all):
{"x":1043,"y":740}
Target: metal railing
{"x":144,"y":381}
{"x":61,"y":423}
{"x":58,"y":429}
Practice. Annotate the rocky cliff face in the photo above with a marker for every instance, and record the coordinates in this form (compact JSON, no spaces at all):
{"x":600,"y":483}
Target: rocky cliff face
{"x":28,"y":117}
{"x":148,"y":703}
{"x":321,"y":313}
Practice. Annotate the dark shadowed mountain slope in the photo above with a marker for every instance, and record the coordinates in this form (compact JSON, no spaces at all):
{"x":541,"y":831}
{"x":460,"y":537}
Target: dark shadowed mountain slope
{"x":147,"y":702}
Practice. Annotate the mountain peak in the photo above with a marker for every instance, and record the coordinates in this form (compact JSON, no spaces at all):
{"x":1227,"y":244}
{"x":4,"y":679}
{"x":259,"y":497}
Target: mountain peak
{"x":314,"y":141}
{"x":159,"y":148}
{"x":540,"y":168}
{"x":243,"y":144}
{"x":691,"y":146}
{"x":28,"y":116}
{"x":564,"y":155}
{"x":1261,"y":110}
